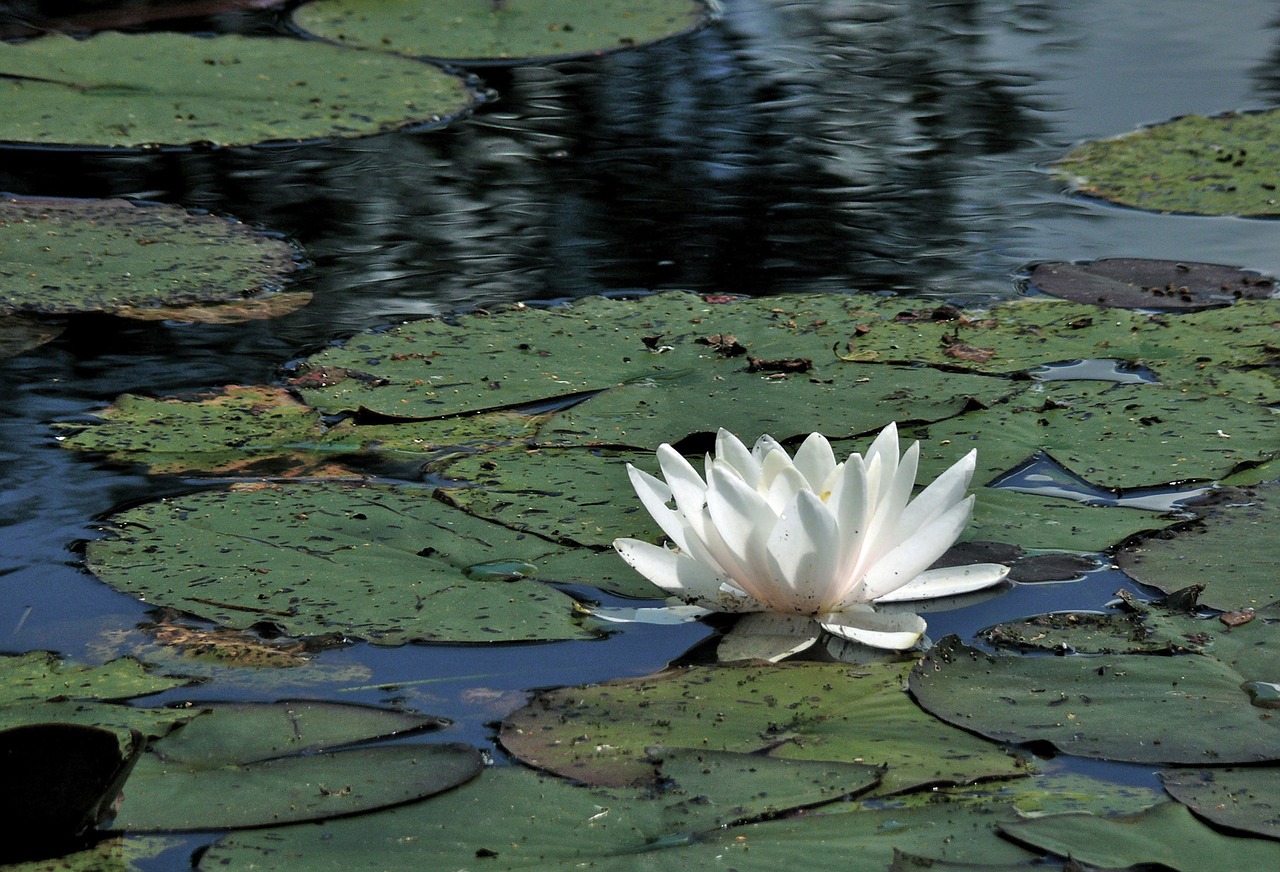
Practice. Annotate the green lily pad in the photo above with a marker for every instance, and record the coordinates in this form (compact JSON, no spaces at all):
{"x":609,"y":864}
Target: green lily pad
{"x":800,"y":711}
{"x":119,"y":854}
{"x":1229,"y":552}
{"x":503,"y":31}
{"x":1115,"y":436}
{"x":668,"y":349}
{"x":510,"y":818}
{"x":1244,"y":800}
{"x":164,"y":89}
{"x":252,"y":764}
{"x":1046,"y":523}
{"x":379,"y":563}
{"x":1142,"y":283}
{"x":1166,"y":834}
{"x":1224,"y":165}
{"x":65,"y":256}
{"x":1133,"y":707}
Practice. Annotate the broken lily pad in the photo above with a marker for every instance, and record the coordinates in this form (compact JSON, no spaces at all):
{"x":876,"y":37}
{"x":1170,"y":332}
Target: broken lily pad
{"x":68,"y":256}
{"x":1141,"y":708}
{"x":500,"y":32}
{"x":249,"y":764}
{"x":388,"y":565}
{"x":1230,"y":551}
{"x":1142,"y":283}
{"x":489,"y":821}
{"x":1244,"y":800}
{"x":1224,"y":165}
{"x":164,"y":89}
{"x":801,"y":711}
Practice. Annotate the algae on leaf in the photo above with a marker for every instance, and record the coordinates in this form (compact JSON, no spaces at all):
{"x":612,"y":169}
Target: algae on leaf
{"x":151,"y":90}
{"x":1224,"y":165}
{"x":504,"y":31}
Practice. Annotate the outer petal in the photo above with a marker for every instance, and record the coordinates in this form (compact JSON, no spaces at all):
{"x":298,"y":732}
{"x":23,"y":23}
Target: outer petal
{"x":815,"y":459}
{"x":729,"y":448}
{"x":897,"y":631}
{"x":654,"y":493}
{"x":805,"y":545}
{"x":942,"y":493}
{"x":914,"y":555}
{"x":949,"y":581}
{"x":884,"y":447}
{"x":684,"y":577}
{"x":744,"y":520}
{"x":688,"y":488}
{"x":784,"y":481}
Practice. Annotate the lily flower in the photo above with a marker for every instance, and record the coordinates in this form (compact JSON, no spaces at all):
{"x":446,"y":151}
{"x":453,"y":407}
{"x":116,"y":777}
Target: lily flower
{"x":808,"y":536}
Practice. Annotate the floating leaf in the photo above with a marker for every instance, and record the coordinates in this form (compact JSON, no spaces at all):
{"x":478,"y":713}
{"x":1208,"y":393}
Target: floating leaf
{"x":164,"y":89}
{"x":1166,"y":835}
{"x":36,"y":20}
{"x":251,"y":764}
{"x":1225,"y":165}
{"x":510,"y":818}
{"x":505,"y":30}
{"x":108,"y":855}
{"x":1131,"y":707}
{"x":384,"y":564}
{"x":1142,"y":283}
{"x":21,"y":333}
{"x":1230,"y":552}
{"x":1244,"y":800}
{"x":65,"y":256}
{"x":799,"y":711}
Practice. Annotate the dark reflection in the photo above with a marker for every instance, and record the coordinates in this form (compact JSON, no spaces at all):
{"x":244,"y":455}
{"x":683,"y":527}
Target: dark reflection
{"x":791,"y":146}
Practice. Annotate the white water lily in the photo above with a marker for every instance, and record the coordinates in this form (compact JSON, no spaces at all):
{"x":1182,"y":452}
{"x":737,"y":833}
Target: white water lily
{"x":808,"y":536}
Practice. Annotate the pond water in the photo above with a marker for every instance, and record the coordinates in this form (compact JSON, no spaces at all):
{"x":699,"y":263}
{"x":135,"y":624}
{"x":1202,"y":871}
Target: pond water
{"x":816,"y":145}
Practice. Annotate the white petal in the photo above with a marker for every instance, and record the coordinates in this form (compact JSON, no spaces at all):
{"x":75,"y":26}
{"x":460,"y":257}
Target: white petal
{"x":815,"y":460}
{"x":729,"y":448}
{"x":948,"y":581}
{"x":805,"y":546}
{"x":851,"y":504}
{"x":942,"y":493}
{"x":914,"y":555}
{"x":767,"y":636}
{"x":885,"y":448}
{"x":683,"y":577}
{"x":897,"y":631}
{"x":883,"y":534}
{"x":743,"y":520}
{"x":687,"y":487}
{"x":654,"y":493}
{"x":764,"y":445}
{"x":783,"y":487}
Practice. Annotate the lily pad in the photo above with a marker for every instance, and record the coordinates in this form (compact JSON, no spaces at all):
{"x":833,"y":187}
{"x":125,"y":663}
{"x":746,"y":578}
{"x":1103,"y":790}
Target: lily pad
{"x":1130,"y":707}
{"x":21,"y":333}
{"x":801,"y":711}
{"x":1244,"y":800}
{"x":379,"y":563}
{"x":1166,"y":835}
{"x":66,"y":256}
{"x":510,"y":818}
{"x":1141,"y":283}
{"x":1224,"y":165}
{"x":117,"y":854}
{"x":252,"y":764}
{"x":1229,"y":552}
{"x":500,"y":32}
{"x":163,"y":89}
{"x":1115,"y":436}
{"x":35,"y":19}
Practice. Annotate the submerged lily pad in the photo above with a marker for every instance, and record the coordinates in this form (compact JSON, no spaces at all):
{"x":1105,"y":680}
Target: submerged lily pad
{"x":510,"y":818}
{"x":379,"y":563}
{"x":1130,"y":707}
{"x":799,"y":711}
{"x":21,"y":333}
{"x":251,"y":764}
{"x":502,"y":31}
{"x":1231,"y":552}
{"x":1244,"y":800}
{"x":1142,"y":283}
{"x":1166,"y":835}
{"x":164,"y":89}
{"x":66,"y":256}
{"x":1224,"y":165}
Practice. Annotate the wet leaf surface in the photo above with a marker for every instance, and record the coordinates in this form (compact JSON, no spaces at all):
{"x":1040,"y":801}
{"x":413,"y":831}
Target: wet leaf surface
{"x":162,"y":89}
{"x":500,"y":31}
{"x":1224,"y":165}
{"x":799,"y":711}
{"x":374,"y":562}
{"x":1229,"y":552}
{"x":1141,"y":283}
{"x":1244,"y":800}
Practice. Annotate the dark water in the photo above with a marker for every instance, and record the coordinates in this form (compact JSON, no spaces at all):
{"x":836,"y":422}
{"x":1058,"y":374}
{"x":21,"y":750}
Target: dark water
{"x":797,"y":146}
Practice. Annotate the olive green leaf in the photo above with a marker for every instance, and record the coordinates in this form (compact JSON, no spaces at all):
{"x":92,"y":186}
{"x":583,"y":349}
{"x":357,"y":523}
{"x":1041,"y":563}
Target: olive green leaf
{"x":1143,"y":283}
{"x":1224,"y":165}
{"x":165,"y":89}
{"x":1243,"y":800}
{"x":499,"y":30}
